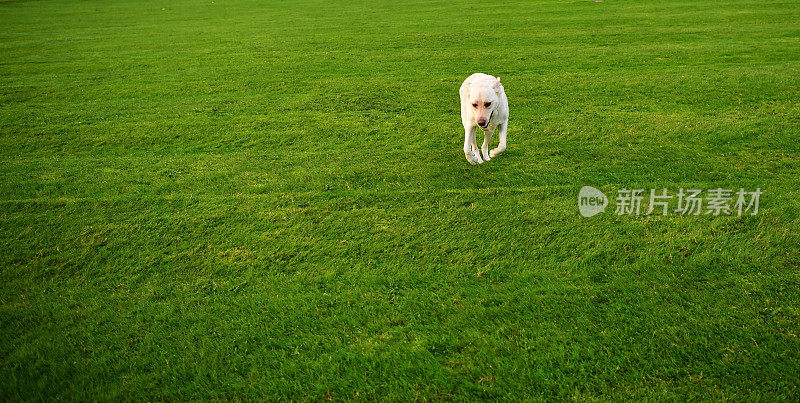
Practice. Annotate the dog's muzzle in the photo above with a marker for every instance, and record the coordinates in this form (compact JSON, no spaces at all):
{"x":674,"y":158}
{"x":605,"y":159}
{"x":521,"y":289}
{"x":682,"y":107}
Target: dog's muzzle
{"x":487,"y":122}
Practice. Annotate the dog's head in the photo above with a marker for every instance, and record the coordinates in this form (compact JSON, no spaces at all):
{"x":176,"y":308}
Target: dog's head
{"x":483,"y":99}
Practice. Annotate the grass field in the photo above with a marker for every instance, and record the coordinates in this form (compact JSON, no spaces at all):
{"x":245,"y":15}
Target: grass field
{"x":269,"y":199}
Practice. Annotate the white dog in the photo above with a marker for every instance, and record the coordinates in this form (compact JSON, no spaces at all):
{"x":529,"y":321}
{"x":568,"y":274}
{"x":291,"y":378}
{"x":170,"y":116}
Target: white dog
{"x":483,"y":104}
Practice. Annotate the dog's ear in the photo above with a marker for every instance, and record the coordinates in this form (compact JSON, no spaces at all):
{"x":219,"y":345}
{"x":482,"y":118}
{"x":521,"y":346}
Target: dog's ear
{"x":497,"y":86}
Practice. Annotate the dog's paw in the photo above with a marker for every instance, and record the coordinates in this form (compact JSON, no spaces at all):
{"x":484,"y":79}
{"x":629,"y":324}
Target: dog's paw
{"x":486,"y":156}
{"x":497,"y":151}
{"x":473,"y":158}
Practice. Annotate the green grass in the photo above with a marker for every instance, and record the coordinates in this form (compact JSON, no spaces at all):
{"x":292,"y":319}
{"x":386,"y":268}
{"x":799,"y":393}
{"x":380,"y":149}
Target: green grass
{"x":269,"y":199}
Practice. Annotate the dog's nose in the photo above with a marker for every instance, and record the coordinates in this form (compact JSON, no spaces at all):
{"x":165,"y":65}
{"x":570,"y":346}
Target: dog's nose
{"x":481,"y":123}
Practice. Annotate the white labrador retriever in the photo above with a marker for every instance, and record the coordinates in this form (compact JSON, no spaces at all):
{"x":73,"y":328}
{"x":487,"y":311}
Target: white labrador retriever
{"x":483,"y":104}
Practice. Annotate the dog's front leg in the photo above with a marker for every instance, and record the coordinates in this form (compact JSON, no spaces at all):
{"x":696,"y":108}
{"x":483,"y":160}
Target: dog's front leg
{"x":487,"y":137}
{"x":502,"y":128}
{"x":469,"y":145}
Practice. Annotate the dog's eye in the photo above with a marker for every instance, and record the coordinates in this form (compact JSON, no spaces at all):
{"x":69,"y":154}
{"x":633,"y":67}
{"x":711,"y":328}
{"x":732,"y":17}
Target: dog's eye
{"x":488,"y":104}
{"x":475,"y":105}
